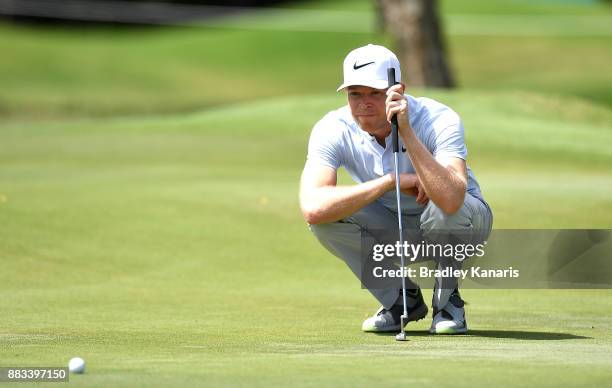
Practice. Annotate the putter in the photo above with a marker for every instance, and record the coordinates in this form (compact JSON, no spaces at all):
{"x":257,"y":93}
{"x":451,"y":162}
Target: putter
{"x":395,"y":139}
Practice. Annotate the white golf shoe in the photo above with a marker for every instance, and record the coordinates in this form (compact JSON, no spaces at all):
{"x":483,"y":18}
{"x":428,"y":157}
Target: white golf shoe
{"x":450,"y":319}
{"x":390,"y":320}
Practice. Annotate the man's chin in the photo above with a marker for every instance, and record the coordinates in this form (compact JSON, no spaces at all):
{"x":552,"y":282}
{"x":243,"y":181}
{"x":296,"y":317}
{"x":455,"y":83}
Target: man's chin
{"x":368,"y":123}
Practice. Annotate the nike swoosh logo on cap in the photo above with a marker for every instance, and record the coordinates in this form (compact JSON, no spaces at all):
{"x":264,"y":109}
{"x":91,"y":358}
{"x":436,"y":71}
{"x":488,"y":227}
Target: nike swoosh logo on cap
{"x":357,"y":67}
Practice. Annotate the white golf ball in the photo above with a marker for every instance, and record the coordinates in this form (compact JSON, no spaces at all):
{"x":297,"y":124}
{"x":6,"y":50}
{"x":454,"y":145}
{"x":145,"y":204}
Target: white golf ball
{"x":76,"y":365}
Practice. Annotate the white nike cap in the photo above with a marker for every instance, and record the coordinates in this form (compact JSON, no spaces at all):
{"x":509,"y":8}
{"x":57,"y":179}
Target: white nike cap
{"x":367,"y":66}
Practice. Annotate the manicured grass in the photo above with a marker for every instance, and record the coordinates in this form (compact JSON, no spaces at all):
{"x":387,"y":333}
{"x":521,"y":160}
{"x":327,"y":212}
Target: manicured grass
{"x":149,"y":220}
{"x":170,"y":251}
{"x":54,"y":72}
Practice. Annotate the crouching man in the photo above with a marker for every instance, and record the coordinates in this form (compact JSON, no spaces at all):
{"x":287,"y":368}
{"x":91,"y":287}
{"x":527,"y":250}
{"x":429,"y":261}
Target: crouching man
{"x":440,"y":195}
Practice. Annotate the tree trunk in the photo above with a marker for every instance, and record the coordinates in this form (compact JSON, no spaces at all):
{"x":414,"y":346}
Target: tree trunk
{"x":416,"y":28}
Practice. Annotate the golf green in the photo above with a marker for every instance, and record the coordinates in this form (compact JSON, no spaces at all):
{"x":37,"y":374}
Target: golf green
{"x":149,"y":218}
{"x":171,"y":251}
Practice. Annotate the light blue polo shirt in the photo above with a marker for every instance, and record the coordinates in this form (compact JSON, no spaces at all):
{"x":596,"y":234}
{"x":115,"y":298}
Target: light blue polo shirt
{"x":337,"y":140}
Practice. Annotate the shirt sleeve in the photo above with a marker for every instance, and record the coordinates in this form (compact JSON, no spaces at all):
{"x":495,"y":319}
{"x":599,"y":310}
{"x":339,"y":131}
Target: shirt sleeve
{"x":450,"y":140}
{"x":324,"y":146}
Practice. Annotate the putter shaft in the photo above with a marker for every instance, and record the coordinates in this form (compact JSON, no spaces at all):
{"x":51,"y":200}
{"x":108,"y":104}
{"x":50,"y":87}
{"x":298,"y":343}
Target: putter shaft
{"x":401,"y":238}
{"x":395,"y":140}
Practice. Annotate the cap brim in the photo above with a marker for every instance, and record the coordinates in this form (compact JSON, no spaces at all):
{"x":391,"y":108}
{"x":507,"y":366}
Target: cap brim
{"x":376,"y":84}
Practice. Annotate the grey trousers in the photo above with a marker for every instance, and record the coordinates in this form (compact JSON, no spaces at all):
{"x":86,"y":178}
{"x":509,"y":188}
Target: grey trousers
{"x":343,"y":238}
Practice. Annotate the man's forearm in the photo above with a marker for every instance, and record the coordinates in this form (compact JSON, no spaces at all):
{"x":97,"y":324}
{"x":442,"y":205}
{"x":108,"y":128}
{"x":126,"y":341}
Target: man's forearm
{"x":333,"y":203}
{"x":444,"y":187}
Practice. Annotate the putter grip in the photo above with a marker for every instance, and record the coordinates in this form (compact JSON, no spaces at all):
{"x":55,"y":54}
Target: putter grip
{"x":394,"y":134}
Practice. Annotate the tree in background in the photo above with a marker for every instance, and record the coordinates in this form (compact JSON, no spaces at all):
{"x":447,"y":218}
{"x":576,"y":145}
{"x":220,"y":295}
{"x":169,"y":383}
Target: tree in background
{"x":416,"y":29}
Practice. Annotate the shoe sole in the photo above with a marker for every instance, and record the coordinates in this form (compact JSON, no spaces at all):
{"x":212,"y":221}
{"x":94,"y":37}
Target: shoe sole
{"x":388,"y":329}
{"x":449,"y":331}
{"x":413,"y":316}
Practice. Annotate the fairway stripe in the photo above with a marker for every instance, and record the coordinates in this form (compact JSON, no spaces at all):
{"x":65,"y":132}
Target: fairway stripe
{"x":529,"y":25}
{"x":456,"y":24}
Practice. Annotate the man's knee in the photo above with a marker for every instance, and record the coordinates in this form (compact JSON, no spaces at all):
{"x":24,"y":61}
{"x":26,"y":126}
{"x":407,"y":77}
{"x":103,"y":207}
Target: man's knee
{"x":337,"y":234}
{"x":320,"y":230}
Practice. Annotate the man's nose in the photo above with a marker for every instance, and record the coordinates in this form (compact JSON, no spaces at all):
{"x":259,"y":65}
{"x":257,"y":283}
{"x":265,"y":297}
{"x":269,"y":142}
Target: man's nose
{"x":367,"y":102}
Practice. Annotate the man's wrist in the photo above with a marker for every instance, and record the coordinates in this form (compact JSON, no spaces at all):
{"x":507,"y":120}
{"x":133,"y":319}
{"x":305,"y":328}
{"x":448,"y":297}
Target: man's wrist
{"x":389,"y":182}
{"x":407,"y":131}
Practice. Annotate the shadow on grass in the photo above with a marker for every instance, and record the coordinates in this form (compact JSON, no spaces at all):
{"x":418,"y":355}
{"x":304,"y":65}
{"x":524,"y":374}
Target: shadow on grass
{"x":502,"y":334}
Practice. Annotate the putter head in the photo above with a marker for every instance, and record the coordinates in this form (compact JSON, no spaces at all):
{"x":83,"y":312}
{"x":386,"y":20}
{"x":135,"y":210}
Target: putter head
{"x":402,"y":335}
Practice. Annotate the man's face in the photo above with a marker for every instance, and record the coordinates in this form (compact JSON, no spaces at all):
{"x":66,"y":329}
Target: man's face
{"x":368,"y":108}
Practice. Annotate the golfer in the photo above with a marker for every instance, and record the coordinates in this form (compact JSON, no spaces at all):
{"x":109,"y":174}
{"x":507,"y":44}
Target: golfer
{"x":440,"y":195}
